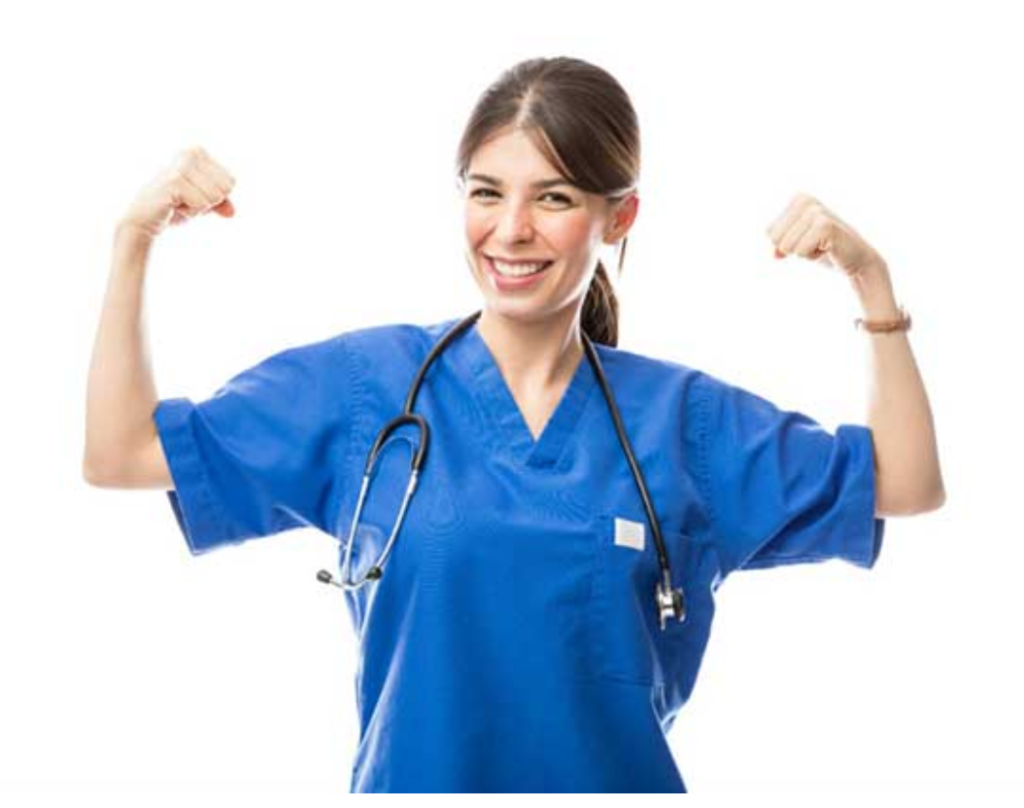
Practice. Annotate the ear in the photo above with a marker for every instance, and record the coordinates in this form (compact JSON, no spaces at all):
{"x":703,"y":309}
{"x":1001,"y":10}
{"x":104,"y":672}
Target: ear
{"x":623,"y":214}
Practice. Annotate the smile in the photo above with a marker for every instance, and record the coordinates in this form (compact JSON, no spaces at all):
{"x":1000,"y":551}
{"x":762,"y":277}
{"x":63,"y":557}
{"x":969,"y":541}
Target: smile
{"x":515,"y":276}
{"x":518,"y":269}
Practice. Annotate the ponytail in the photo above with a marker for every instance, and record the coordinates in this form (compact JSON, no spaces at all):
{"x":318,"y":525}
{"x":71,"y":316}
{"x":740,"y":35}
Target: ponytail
{"x":600,"y":314}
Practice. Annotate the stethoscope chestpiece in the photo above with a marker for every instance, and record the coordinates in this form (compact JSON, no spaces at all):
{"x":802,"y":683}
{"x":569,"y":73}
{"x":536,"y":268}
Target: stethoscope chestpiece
{"x":670,"y":602}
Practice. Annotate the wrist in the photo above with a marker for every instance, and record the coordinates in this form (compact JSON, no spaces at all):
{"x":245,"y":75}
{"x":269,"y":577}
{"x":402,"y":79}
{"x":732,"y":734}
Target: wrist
{"x":129,"y":233}
{"x":874,"y":290}
{"x":131,"y":249}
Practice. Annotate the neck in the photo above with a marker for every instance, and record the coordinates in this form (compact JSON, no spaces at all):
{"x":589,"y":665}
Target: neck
{"x":533,"y":355}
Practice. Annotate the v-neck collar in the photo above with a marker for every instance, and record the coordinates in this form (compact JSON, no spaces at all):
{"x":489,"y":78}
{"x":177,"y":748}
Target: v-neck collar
{"x":495,"y":398}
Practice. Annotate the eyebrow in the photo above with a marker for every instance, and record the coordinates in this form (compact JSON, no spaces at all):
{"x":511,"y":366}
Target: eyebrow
{"x":548,"y":183}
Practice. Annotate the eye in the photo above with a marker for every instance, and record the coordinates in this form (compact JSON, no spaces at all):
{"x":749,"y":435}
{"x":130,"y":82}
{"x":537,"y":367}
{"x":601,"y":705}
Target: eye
{"x":562,"y":198}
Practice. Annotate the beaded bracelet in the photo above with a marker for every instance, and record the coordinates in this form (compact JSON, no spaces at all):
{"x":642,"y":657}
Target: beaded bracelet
{"x":884,"y":326}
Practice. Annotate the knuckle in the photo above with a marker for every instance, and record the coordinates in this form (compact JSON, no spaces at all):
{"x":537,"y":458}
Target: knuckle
{"x":188,"y":157}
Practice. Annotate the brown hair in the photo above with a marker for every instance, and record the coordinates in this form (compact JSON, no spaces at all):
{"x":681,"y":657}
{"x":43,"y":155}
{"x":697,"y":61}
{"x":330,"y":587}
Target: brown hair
{"x":583,"y":122}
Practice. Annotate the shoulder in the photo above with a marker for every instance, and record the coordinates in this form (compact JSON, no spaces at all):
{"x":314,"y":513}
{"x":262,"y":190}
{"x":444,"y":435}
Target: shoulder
{"x":367,"y":342}
{"x":412,"y":337}
{"x":700,"y":385}
{"x":392,"y":343}
{"x":649,"y":373}
{"x":707,"y":398}
{"x":337,"y":358}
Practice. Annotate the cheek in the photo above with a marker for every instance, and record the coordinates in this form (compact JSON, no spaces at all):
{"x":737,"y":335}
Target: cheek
{"x":565,"y":233}
{"x":570,"y":233}
{"x":476,"y":228}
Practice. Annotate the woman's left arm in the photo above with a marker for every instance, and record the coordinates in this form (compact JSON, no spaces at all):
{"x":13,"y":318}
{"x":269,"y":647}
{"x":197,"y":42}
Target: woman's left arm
{"x":908,"y":476}
{"x":909,"y":479}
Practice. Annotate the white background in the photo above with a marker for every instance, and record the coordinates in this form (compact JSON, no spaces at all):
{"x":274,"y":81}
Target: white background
{"x":130,"y":666}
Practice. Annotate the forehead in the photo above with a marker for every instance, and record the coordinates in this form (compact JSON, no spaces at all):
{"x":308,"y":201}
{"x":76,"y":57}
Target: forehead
{"x":511,"y":156}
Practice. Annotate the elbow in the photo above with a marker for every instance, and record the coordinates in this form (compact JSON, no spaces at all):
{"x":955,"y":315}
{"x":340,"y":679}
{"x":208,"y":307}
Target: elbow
{"x":936,"y":500}
{"x":934,"y":496}
{"x":91,"y":474}
{"x":909,"y":503}
{"x":91,"y":465}
{"x":97,"y":473}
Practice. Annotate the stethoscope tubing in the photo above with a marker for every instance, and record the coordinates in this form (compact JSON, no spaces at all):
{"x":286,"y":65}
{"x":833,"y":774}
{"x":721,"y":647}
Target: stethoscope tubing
{"x":669,"y":601}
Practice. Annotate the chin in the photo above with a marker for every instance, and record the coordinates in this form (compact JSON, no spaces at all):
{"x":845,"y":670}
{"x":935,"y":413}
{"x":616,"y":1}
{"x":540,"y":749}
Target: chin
{"x":522,"y":310}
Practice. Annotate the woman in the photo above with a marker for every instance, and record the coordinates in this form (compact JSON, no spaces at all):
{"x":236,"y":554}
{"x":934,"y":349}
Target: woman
{"x":523,"y":634}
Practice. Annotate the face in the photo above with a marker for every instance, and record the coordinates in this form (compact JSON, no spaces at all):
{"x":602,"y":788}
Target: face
{"x":512,"y":213}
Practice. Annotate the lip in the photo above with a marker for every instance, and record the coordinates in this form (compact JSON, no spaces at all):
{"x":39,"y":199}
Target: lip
{"x":504,"y":283}
{"x":518,"y":260}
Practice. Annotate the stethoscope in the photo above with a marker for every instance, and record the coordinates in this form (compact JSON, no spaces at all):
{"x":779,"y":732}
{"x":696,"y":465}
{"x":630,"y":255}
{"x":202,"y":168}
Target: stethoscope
{"x":669,"y":601}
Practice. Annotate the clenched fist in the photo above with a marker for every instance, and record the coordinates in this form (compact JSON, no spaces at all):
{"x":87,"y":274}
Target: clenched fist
{"x":194,"y":184}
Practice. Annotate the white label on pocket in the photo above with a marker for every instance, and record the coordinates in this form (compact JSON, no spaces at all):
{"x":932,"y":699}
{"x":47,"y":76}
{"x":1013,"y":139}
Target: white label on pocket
{"x":629,"y":534}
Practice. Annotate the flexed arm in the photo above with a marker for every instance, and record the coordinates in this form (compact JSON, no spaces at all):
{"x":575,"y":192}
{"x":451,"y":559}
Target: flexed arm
{"x":909,"y":479}
{"x":122,"y":449}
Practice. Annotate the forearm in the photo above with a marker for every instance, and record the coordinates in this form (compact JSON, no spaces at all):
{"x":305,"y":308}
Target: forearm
{"x":121,"y":394}
{"x":908,"y":476}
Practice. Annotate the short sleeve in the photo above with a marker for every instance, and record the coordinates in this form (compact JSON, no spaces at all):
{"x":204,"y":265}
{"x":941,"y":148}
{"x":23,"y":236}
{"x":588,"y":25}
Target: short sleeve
{"x":780,"y":488}
{"x":263,"y":454}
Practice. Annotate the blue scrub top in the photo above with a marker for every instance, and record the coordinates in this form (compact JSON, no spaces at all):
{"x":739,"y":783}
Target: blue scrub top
{"x":512,"y":643}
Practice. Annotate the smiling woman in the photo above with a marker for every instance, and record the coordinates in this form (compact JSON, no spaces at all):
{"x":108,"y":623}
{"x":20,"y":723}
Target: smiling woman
{"x":548,"y":166}
{"x":544,"y":609}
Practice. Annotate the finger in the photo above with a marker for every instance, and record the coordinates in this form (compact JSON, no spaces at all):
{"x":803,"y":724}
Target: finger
{"x":817,"y":241}
{"x":222,"y":179}
{"x":211,"y":194}
{"x":789,"y":216}
{"x":225,"y":208}
{"x":195,"y":169}
{"x":792,"y":236}
{"x":178,"y":217}
{"x":219,"y":175}
{"x":187,"y":199}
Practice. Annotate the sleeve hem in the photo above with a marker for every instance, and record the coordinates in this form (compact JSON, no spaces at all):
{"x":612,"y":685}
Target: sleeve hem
{"x":866,"y":542}
{"x":853,"y":533}
{"x":201,"y":522}
{"x":702,"y":412}
{"x":352,"y":407}
{"x":862,"y":545}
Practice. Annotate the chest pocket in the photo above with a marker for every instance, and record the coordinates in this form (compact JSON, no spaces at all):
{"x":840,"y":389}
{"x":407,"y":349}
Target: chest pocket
{"x":626,"y":640}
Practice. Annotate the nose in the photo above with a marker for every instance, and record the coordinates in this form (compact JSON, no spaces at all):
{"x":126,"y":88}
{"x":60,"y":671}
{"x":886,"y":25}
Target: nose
{"x":515,"y":223}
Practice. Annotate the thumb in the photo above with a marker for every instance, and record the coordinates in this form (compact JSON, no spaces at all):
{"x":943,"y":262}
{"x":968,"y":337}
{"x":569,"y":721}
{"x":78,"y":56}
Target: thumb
{"x":225,"y":208}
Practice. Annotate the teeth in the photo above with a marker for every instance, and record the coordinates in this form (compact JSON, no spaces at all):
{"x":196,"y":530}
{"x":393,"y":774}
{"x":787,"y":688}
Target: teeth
{"x":518,"y":270}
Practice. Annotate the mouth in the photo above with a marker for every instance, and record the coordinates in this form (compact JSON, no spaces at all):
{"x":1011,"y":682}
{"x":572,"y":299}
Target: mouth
{"x":517,"y":273}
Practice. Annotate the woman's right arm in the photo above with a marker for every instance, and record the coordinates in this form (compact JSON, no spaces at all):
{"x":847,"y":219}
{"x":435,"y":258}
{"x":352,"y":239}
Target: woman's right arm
{"x":122,"y":448}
